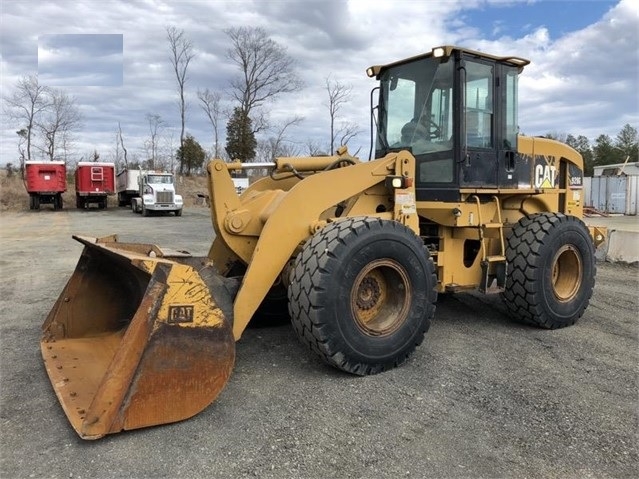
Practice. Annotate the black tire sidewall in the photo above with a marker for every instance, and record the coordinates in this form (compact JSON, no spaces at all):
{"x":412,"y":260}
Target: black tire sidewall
{"x":571,"y":233}
{"x":356,"y":254}
{"x":532,"y":246}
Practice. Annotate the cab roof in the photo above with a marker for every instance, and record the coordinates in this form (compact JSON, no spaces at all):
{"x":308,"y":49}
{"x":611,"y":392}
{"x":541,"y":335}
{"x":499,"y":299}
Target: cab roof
{"x":446,"y":51}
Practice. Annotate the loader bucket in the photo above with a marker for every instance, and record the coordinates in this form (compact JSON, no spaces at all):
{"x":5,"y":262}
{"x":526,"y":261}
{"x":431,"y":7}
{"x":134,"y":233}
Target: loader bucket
{"x":138,"y":337}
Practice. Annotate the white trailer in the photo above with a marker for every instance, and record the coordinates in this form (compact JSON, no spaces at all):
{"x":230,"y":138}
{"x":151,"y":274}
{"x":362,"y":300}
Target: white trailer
{"x":127,"y":186}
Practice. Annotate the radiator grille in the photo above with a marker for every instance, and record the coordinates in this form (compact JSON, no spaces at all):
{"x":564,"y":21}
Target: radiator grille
{"x":165,"y":197}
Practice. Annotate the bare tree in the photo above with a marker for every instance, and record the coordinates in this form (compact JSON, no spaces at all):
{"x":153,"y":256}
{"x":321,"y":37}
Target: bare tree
{"x":338,"y":95}
{"x":181,"y":55}
{"x":210,"y":103}
{"x":22,"y":135}
{"x":121,"y":139}
{"x":314,"y":148}
{"x":266,"y":71}
{"x":346,"y":132}
{"x":28,"y":101}
{"x":279,"y":145}
{"x":156,"y":124}
{"x":58,"y":123}
{"x":168,"y":149}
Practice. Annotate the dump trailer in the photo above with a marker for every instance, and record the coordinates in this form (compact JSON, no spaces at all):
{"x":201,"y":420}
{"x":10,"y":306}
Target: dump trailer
{"x":355,"y":252}
{"x":94,"y":183}
{"x":127,"y":186}
{"x":45,"y":182}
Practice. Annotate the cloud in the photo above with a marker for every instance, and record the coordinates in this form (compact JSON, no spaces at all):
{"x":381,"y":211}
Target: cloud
{"x":79,"y":59}
{"x":582,"y":82}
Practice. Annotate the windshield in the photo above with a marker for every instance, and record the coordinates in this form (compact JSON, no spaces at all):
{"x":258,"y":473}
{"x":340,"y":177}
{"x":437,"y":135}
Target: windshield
{"x":165,"y":179}
{"x":416,"y":107}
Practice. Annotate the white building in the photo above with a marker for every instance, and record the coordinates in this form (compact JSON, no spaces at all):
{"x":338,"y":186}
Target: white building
{"x":613,"y":188}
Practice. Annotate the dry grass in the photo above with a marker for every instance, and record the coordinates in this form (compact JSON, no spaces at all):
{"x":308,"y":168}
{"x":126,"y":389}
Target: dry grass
{"x":14,"y":196}
{"x":13,"y":193}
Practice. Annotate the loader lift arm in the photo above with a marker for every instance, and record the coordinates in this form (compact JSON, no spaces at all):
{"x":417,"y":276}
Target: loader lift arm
{"x":297,"y":213}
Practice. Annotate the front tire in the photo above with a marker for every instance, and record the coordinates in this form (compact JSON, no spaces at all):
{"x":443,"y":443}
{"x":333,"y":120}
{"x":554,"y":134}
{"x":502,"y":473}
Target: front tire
{"x":362,"y":294}
{"x":551,"y":270}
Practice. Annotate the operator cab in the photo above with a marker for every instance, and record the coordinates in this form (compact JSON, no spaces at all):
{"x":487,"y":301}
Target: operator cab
{"x":455,"y":110}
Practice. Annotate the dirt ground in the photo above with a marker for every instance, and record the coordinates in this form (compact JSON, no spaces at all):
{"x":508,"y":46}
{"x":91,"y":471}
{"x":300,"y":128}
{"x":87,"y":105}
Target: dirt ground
{"x":483,"y":397}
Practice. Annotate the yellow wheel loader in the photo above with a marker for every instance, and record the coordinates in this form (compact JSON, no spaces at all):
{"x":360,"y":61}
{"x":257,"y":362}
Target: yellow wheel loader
{"x":355,"y":252}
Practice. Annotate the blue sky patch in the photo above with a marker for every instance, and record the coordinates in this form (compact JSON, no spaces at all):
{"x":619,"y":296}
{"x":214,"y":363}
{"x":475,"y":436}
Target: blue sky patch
{"x":515,"y":20}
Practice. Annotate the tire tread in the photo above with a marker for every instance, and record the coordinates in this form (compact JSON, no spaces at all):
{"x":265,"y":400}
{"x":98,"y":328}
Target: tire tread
{"x":316,"y":260}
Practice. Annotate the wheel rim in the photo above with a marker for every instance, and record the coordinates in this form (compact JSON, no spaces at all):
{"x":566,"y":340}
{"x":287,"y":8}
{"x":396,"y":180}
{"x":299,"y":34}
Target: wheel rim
{"x":567,"y":272}
{"x":380,"y":297}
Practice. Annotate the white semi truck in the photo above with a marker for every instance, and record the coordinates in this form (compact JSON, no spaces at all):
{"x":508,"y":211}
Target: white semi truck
{"x":156,"y":192}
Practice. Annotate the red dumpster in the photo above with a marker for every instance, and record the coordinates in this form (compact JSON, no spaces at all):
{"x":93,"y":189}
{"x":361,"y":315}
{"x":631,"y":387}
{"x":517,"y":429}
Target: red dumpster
{"x":45,"y":182}
{"x":93,"y":183}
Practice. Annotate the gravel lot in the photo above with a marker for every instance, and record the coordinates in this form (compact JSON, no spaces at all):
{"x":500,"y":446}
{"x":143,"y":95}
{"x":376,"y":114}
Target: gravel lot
{"x":482,"y":397}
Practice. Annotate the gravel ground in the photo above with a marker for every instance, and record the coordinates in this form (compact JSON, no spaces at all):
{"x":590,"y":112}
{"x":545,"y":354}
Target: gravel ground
{"x":482,"y":397}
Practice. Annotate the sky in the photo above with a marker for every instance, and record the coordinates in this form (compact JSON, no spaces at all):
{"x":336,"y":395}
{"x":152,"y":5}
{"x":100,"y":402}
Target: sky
{"x":113,"y":58}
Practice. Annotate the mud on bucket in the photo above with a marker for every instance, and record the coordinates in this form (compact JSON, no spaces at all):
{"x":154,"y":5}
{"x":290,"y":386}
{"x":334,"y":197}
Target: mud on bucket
{"x":137,"y":338}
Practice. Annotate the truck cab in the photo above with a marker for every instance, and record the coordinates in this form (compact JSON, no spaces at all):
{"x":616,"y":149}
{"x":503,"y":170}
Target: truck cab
{"x":157,"y":193}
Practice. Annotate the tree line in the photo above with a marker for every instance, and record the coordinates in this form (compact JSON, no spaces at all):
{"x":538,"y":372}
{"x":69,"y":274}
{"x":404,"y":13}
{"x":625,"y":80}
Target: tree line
{"x":605,"y":150}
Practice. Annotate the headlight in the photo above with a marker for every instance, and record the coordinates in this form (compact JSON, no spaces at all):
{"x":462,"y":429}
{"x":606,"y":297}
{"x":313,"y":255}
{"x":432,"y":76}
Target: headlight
{"x":438,"y":52}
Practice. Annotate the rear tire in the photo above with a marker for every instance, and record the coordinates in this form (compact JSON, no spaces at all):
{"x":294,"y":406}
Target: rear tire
{"x":551,"y":270}
{"x":362,"y":294}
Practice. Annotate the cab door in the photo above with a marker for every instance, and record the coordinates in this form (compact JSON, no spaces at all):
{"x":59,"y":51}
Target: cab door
{"x":488,"y":125}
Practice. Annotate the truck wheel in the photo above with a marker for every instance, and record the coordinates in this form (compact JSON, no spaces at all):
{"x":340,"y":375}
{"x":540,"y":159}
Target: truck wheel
{"x":36,"y":202}
{"x":178,"y":212}
{"x":551,"y":270}
{"x":362,"y":294}
{"x":31,"y":202}
{"x":57,"y":202}
{"x":145,"y":212}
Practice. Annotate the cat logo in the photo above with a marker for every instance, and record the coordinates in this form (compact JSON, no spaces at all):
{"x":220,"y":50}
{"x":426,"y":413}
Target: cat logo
{"x":545,"y":176}
{"x":181,"y":314}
